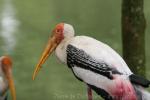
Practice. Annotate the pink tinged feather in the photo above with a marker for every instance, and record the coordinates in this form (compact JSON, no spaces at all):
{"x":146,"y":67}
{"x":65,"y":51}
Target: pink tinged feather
{"x":122,"y":90}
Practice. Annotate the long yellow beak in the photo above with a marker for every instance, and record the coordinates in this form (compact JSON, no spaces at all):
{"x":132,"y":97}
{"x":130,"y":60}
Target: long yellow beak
{"x":52,"y":44}
{"x":11,"y":84}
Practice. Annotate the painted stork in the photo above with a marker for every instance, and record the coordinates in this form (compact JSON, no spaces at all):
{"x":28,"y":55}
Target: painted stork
{"x":6,"y":80}
{"x":96,"y":64}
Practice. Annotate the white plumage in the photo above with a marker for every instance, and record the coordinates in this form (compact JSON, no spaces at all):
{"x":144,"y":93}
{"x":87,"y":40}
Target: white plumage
{"x":100,"y":52}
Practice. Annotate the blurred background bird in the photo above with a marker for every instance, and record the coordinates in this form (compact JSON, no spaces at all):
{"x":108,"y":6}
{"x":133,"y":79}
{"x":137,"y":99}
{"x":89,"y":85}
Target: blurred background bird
{"x":6,"y":80}
{"x":96,"y":64}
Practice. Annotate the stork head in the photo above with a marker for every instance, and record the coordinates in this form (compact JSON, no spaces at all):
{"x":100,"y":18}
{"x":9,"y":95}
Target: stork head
{"x":60,"y":32}
{"x":63,"y":30}
{"x":6,"y":66}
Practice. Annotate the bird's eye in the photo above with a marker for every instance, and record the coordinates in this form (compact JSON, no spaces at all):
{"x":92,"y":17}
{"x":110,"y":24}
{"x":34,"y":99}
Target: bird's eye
{"x":58,"y":30}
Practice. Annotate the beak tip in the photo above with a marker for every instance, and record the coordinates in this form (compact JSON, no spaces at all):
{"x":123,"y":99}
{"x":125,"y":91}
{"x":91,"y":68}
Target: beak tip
{"x":33,"y":77}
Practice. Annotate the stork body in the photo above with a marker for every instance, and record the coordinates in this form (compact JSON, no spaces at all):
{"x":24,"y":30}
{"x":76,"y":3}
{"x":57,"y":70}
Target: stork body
{"x":103,"y":55}
{"x":96,"y":64}
{"x":6,"y":81}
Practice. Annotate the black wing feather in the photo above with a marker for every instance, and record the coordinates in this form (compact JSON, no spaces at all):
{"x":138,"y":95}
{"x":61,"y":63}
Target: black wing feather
{"x":139,"y":80}
{"x":81,"y":59}
{"x":101,"y":92}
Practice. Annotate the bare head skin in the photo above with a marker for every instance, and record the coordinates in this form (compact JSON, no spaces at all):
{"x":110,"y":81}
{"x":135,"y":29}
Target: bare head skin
{"x":60,"y":32}
{"x":6,"y":64}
